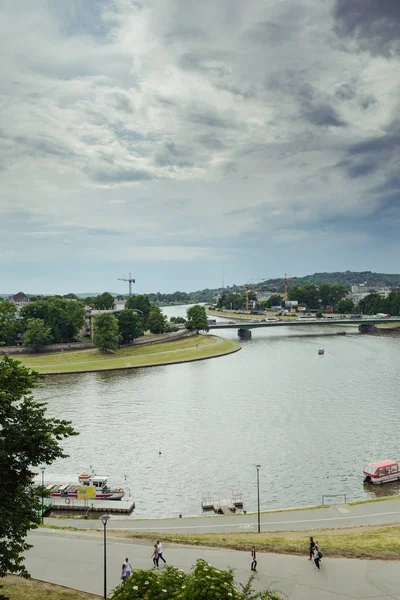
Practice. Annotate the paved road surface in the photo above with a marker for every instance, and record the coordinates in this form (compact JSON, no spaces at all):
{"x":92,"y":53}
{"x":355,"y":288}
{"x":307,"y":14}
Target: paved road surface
{"x":373,"y":513}
{"x":74,"y":560}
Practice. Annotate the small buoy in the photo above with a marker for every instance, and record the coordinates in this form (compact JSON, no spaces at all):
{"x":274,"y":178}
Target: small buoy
{"x":159,"y":453}
{"x":321,"y":351}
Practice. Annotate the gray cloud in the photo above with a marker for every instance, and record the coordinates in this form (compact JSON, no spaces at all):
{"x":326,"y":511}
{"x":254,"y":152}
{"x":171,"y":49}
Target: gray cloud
{"x":373,"y":24}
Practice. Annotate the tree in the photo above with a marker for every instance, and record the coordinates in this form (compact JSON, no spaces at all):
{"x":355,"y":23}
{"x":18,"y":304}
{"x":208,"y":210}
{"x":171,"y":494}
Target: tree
{"x":319,"y":314}
{"x":130,"y":325}
{"x":197,"y":318}
{"x":345,"y":305}
{"x":156,"y":321}
{"x":142,"y":304}
{"x":27,"y":439}
{"x":274,"y":301}
{"x":37,"y":335}
{"x":104,"y":301}
{"x":105,"y":332}
{"x":64,"y":317}
{"x":10,"y":327}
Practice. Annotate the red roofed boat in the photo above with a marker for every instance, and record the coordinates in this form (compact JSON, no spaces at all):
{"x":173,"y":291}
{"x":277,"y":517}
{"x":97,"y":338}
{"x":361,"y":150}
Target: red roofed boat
{"x":382,"y":471}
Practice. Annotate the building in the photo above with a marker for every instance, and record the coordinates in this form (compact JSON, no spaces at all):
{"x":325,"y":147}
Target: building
{"x":360,"y":291}
{"x":20,"y":300}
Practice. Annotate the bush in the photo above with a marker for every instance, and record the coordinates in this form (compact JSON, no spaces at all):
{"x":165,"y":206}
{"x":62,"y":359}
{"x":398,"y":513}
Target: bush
{"x":205,"y":582}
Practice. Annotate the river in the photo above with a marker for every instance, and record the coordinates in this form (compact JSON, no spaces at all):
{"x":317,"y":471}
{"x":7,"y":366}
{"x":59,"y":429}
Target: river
{"x":171,"y":434}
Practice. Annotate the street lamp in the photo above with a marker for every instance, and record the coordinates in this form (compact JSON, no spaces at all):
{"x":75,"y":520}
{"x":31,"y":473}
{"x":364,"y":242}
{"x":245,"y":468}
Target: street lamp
{"x":43,"y":470}
{"x":258,"y":496}
{"x":104,"y":519}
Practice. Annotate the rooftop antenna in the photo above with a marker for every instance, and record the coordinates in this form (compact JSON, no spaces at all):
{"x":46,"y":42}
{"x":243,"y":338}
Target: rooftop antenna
{"x":130,"y":282}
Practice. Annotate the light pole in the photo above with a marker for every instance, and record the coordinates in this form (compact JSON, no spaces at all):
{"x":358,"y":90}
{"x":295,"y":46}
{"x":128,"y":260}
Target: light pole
{"x":43,"y":470}
{"x":104,"y":519}
{"x":258,"y":497}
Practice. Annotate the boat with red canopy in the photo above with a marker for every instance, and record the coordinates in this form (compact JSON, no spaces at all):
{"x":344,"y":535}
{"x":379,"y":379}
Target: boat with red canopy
{"x":382,"y":471}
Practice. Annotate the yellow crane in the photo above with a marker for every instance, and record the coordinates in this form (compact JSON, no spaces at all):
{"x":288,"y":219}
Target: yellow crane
{"x":285,"y":281}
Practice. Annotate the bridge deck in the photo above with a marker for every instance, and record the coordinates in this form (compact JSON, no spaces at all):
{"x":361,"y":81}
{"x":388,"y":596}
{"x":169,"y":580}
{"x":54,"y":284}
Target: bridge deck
{"x":303,"y":323}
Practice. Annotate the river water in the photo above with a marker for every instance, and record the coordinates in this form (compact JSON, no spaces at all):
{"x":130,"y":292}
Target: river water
{"x":171,"y":434}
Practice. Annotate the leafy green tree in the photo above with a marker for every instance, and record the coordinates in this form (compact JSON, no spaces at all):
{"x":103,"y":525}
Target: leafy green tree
{"x":37,"y":335}
{"x":130,"y":325}
{"x":10,"y":326}
{"x":197,"y":318}
{"x":104,"y":301}
{"x":178,"y":320}
{"x":319,"y":314}
{"x":156,"y":321}
{"x":325,"y":294}
{"x":345,"y":305}
{"x":64,"y":317}
{"x":105,"y":332}
{"x":142,"y":304}
{"x":27,"y":439}
{"x":275,"y":300}
{"x":205,"y":582}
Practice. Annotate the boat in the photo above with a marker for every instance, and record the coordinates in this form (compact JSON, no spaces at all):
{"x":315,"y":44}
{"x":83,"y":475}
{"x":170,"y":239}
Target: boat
{"x":341,"y":333}
{"x":98,"y":482}
{"x":382,"y":471}
{"x":321,"y":351}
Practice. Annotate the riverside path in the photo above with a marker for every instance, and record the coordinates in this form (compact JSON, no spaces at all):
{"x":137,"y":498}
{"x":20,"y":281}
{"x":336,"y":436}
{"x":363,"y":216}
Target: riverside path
{"x":345,"y":515}
{"x":76,"y":561}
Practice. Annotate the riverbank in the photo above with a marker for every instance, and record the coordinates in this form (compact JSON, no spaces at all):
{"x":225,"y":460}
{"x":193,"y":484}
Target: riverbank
{"x":197,"y":347}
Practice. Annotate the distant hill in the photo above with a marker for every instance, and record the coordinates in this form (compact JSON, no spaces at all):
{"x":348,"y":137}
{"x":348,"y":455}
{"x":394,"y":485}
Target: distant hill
{"x":346,"y":278}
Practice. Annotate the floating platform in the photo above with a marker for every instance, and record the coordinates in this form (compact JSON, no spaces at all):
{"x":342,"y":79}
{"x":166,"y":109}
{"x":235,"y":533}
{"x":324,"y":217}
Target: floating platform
{"x":223,"y":507}
{"x":101,"y":506}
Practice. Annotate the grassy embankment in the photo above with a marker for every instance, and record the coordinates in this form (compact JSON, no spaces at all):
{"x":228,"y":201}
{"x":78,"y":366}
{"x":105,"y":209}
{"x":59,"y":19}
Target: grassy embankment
{"x":372,"y":542}
{"x":188,"y":349}
{"x":16,"y":588}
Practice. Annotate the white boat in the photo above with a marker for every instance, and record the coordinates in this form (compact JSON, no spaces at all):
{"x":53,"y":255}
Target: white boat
{"x":98,"y":482}
{"x":381,"y":471}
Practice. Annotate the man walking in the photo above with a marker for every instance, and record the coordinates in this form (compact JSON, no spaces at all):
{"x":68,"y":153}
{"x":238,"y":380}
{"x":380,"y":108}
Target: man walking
{"x":128,"y":567}
{"x":159,"y":548}
{"x":253,"y":559}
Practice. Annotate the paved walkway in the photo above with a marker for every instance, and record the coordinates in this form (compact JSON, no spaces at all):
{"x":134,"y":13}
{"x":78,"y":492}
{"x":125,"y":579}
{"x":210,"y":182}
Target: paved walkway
{"x":370,"y":513}
{"x":76,"y":561}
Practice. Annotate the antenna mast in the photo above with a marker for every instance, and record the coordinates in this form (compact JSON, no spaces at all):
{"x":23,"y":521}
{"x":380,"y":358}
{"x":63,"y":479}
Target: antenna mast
{"x":130,"y":280}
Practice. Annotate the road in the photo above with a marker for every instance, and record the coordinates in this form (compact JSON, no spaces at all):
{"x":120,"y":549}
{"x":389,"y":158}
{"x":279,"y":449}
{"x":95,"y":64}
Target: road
{"x":369,"y":513}
{"x":76,"y":560}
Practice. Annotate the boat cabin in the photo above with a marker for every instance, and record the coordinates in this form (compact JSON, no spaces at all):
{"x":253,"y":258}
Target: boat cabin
{"x":97,"y":481}
{"x":382,"y":471}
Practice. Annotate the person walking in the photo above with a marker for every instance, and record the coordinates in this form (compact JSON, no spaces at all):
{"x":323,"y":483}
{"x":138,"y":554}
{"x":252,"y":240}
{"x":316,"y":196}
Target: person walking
{"x":155,"y":556}
{"x":159,"y":548}
{"x":253,"y":559}
{"x":128,"y":567}
{"x":317,"y":555}
{"x":123,"y":572}
{"x":311,"y":548}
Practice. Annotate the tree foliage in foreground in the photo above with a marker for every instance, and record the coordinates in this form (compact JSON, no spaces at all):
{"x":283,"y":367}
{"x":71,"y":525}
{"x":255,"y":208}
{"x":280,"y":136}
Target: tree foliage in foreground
{"x":130,"y":325}
{"x":37,"y":335}
{"x":27,"y":439}
{"x":204,"y":582}
{"x":106,"y":332}
{"x":157,"y":321}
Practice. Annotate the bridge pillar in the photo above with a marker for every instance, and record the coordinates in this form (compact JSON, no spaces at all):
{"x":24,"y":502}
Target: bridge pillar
{"x":367,"y":327}
{"x":244,"y":333}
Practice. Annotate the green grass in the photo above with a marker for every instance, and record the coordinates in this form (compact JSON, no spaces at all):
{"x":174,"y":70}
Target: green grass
{"x":384,"y":499}
{"x":191,"y":348}
{"x":16,"y":588}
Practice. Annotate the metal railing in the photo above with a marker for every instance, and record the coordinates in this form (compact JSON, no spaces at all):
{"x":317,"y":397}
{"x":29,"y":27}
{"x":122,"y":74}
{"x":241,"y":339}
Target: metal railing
{"x":333,"y":496}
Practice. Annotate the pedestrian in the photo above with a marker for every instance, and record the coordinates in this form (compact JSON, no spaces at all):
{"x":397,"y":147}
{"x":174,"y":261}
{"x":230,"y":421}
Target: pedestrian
{"x":253,"y":559}
{"x":123,"y":572}
{"x":317,"y":555}
{"x":159,"y":548}
{"x":155,"y":556}
{"x":311,"y":548}
{"x":128,"y":567}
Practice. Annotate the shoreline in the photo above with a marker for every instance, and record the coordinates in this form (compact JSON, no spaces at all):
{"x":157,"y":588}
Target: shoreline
{"x":171,"y":352}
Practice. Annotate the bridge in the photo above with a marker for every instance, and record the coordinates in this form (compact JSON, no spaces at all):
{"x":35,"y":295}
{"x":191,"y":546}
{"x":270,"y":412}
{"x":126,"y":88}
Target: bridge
{"x":364,"y":324}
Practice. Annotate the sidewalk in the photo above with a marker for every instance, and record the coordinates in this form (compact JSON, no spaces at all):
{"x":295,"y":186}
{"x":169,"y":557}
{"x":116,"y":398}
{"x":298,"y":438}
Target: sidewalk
{"x":76,"y":561}
{"x":369,"y":513}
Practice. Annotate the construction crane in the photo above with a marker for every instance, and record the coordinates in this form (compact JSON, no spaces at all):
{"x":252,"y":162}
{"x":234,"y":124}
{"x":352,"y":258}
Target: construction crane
{"x":130,"y":282}
{"x":285,"y":281}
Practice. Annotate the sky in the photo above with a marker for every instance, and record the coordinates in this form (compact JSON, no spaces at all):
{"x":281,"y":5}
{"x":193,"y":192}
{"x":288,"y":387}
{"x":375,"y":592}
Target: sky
{"x":192,"y":142}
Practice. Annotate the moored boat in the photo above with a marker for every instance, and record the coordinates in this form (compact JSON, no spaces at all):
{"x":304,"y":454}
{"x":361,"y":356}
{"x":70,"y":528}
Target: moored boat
{"x":102,"y":490}
{"x":382,"y":471}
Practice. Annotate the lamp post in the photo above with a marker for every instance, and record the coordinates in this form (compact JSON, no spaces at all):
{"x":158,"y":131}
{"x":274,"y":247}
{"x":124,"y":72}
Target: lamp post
{"x":258,"y":497}
{"x":43,"y":470}
{"x":104,"y":519}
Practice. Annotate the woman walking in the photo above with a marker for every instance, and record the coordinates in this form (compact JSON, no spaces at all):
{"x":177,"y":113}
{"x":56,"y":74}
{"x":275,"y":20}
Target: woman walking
{"x":311,"y":548}
{"x":124,"y":574}
{"x":155,"y":557}
{"x":317,"y":555}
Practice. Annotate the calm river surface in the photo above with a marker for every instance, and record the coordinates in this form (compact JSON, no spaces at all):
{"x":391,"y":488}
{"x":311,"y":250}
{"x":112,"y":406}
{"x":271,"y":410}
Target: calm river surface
{"x":312,"y":422}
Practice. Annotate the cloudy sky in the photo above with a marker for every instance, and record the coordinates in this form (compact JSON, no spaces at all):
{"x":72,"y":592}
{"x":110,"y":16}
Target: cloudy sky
{"x":177,"y":138}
